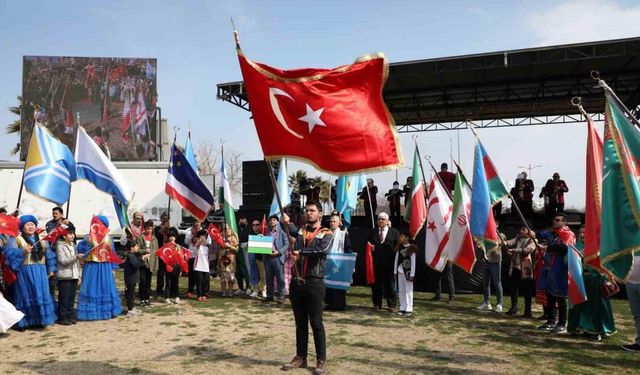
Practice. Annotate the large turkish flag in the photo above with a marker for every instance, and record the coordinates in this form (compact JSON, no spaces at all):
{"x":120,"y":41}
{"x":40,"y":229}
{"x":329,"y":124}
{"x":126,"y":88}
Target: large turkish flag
{"x":334,"y":119}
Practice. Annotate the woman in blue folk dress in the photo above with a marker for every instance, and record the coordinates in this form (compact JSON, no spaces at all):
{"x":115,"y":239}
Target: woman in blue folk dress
{"x":33,"y":263}
{"x":98,"y":298}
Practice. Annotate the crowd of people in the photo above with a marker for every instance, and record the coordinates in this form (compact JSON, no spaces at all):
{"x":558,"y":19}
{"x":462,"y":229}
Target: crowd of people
{"x":41,"y":276}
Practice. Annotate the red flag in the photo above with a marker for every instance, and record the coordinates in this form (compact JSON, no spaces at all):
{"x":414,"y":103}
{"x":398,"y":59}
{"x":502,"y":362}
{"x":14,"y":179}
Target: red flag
{"x":593,"y":201}
{"x":9,"y":225}
{"x":8,"y":275}
{"x":168,"y":255}
{"x":56,"y":233}
{"x":264,"y":229}
{"x":215,"y":234}
{"x":371,"y":278}
{"x":99,"y":239}
{"x":335,"y":119}
{"x":182,"y":258}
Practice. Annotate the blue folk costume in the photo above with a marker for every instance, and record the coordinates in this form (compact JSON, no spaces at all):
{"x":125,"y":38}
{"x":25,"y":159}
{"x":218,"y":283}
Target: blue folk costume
{"x":98,"y":298}
{"x":31,"y":288}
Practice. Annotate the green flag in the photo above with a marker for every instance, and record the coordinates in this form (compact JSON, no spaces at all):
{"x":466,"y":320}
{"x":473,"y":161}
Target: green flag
{"x":229,"y":212}
{"x":620,"y":232}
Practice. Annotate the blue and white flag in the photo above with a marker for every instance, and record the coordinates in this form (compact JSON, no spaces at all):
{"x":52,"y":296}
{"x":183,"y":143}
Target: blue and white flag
{"x":49,"y":168}
{"x":283,"y":190}
{"x":347,"y":190}
{"x":95,"y":167}
{"x":339,"y":270}
{"x":189,"y":154}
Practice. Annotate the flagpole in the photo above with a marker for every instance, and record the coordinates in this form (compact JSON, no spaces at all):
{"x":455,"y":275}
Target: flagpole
{"x":424,"y":180}
{"x":175,"y":134}
{"x":73,"y":152}
{"x":373,"y":215}
{"x":601,"y":83}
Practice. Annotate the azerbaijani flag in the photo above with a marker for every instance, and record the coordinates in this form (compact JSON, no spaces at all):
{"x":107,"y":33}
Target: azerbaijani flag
{"x":620,"y":222}
{"x":485,"y":179}
{"x":576,"y":289}
{"x":229,"y":213}
{"x":416,"y":212}
{"x":460,"y":246}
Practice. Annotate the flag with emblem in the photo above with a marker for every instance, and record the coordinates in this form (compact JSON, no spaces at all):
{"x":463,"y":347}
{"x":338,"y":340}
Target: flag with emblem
{"x":335,"y":119}
{"x":486,"y":183}
{"x":50,"y":167}
{"x":9,"y":225}
{"x":339,"y":270}
{"x":620,"y":222}
{"x":416,"y":212}
{"x":460,"y":246}
{"x":439,"y":211}
{"x":185,"y":187}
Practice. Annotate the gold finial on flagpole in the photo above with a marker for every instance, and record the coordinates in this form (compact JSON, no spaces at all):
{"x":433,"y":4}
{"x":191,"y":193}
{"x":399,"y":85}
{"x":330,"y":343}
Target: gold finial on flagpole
{"x":235,"y":34}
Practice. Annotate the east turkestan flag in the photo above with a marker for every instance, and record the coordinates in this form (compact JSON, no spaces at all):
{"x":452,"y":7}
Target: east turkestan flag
{"x":416,"y":212}
{"x":620,"y":235}
{"x":439,"y":212}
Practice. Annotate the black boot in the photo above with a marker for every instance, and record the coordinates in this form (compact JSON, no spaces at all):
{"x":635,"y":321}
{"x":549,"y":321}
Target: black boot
{"x":527,"y":307}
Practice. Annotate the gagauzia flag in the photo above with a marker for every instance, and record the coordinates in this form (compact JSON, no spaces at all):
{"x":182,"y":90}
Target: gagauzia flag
{"x":335,"y":119}
{"x":460,"y":246}
{"x":50,"y":167}
{"x":575,"y":288}
{"x":339,"y":270}
{"x":416,"y":212}
{"x":620,"y":229}
{"x":185,"y":187}
{"x":439,"y":212}
{"x":487,"y":190}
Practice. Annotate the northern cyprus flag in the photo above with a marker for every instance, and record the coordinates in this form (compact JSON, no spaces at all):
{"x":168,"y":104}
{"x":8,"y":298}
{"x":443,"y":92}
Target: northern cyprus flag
{"x":229,"y":213}
{"x":437,"y":231}
{"x":460,"y":246}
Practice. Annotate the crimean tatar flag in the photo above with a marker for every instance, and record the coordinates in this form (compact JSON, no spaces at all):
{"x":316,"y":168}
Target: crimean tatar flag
{"x":335,"y":119}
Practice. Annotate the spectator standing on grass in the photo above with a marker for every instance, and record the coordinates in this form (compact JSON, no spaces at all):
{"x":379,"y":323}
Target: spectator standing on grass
{"x":274,"y":262}
{"x":336,"y":299}
{"x":227,"y":262}
{"x":162,"y":235}
{"x":520,"y":249}
{"x":405,"y":271}
{"x":201,"y":265}
{"x":148,"y":244}
{"x":190,"y":240}
{"x":133,"y":262}
{"x":68,"y":275}
{"x":492,"y":277}
{"x":384,"y":240}
{"x":633,"y":294}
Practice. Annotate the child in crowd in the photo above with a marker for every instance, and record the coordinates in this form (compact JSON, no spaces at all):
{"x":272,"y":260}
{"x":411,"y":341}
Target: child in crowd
{"x":227,"y":262}
{"x":405,"y":270}
{"x":133,"y":262}
{"x":148,"y":244}
{"x":68,"y":275}
{"x":172,"y":276}
{"x":201,"y":265}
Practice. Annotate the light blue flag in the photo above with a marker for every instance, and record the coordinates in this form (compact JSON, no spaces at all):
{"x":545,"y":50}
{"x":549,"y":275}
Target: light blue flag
{"x":339,"y":270}
{"x":283,"y":190}
{"x":189,"y":154}
{"x":347,"y":190}
{"x":50,"y":167}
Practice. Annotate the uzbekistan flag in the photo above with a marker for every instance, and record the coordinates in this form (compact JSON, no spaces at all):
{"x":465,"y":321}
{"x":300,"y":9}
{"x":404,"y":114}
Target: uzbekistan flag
{"x":416,"y":212}
{"x":185,"y":187}
{"x":487,"y":190}
{"x":576,"y":290}
{"x":260,"y":244}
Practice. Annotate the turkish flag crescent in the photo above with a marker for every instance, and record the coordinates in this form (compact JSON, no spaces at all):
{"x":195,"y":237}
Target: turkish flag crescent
{"x":334,"y":119}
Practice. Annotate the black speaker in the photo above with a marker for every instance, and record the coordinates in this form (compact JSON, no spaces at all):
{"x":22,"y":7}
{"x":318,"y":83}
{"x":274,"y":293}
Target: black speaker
{"x":257,"y":191}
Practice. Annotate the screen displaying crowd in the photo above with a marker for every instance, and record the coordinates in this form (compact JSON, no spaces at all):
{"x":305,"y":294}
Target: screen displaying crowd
{"x":114,"y":99}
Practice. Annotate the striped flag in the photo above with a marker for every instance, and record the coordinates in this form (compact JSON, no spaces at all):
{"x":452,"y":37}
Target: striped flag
{"x":185,"y":187}
{"x":50,"y":167}
{"x":438,"y":221}
{"x":460,"y":247}
{"x":487,"y":190}
{"x":229,"y":213}
{"x":283,"y":189}
{"x":260,"y":244}
{"x":416,"y":212}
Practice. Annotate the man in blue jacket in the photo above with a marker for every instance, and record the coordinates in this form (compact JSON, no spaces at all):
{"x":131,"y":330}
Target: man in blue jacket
{"x":274,"y":263}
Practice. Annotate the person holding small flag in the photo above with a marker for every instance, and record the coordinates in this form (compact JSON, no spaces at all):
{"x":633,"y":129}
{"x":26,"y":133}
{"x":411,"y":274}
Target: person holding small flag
{"x":274,"y":262}
{"x":33,"y":263}
{"x":201,"y":265}
{"x":148,"y":244}
{"x":336,"y":299}
{"x":68,"y":275}
{"x":520,"y":249}
{"x":227,"y":262}
{"x":554,"y":275}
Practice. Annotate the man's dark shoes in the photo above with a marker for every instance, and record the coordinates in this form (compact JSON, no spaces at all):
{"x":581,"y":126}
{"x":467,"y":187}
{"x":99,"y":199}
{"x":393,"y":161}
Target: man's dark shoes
{"x":296,"y":362}
{"x":64,"y":322}
{"x":512,"y":311}
{"x":321,"y":368}
{"x":631,"y":347}
{"x":435,"y":298}
{"x":267,"y":300}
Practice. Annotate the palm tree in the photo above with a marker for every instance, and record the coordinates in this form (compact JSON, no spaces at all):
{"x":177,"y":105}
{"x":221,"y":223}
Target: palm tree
{"x":14,"y":127}
{"x":296,"y":180}
{"x":325,"y":189}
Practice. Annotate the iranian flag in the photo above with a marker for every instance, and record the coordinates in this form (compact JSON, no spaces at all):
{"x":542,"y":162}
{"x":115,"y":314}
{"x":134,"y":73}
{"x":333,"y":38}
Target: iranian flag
{"x":437,"y":232}
{"x":460,"y":246}
{"x":416,"y":212}
{"x":229,"y":213}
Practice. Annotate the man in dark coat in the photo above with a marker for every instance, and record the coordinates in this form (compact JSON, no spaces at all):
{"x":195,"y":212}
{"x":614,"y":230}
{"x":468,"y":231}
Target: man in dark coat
{"x":384,"y":240}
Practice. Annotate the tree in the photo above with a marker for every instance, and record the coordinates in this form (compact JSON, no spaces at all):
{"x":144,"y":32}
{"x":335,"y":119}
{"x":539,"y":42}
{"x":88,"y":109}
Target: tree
{"x":325,"y":189}
{"x":14,"y":127}
{"x":208,"y":157}
{"x":296,"y":180}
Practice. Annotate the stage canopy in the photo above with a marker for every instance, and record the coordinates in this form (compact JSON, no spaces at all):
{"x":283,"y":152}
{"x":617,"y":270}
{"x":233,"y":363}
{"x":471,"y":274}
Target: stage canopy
{"x":531,"y":86}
